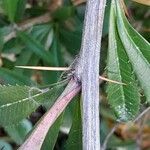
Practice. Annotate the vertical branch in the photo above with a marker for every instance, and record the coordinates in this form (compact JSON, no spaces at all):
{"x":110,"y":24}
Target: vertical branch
{"x":87,"y":70}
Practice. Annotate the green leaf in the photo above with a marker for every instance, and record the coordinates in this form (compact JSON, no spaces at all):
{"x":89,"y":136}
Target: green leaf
{"x":68,"y":117}
{"x":71,"y":39}
{"x":10,"y":8}
{"x":3,"y":32}
{"x":74,"y":141}
{"x":33,"y":61}
{"x":137,"y":49}
{"x":19,"y":131}
{"x":18,"y":102}
{"x":39,"y":32}
{"x":140,"y":42}
{"x":124,"y":99}
{"x":5,"y":146}
{"x":23,"y":60}
{"x":35,"y":46}
{"x":14,"y":9}
{"x":55,"y":50}
{"x":106,"y":18}
{"x":12,"y":46}
{"x":13,"y":78}
{"x":64,"y":13}
{"x":20,"y":9}
{"x":27,"y":57}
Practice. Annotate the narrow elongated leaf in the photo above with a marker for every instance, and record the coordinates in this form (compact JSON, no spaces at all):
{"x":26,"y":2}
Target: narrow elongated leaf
{"x":137,"y":53}
{"x":27,"y":57}
{"x":124,"y":99}
{"x":13,"y":78}
{"x":20,"y":9}
{"x":39,"y":32}
{"x":10,"y":8}
{"x":140,"y":42}
{"x":64,"y":13}
{"x":74,"y":141}
{"x":71,"y":39}
{"x":23,"y":60}
{"x":32,"y":61}
{"x":18,"y":102}
{"x":36,"y":47}
{"x":14,"y":9}
{"x":55,"y":50}
{"x":3,"y":32}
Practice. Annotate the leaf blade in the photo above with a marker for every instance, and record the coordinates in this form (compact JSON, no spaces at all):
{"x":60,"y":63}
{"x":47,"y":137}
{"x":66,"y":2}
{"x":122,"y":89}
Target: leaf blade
{"x":139,"y":62}
{"x":36,"y":47}
{"x":74,"y":141}
{"x":10,"y":77}
{"x":124,"y":99}
{"x":23,"y":100}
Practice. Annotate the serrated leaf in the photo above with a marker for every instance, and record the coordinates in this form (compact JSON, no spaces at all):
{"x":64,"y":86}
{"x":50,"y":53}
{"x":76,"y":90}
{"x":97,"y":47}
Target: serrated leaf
{"x":10,"y":77}
{"x":19,"y":131}
{"x":74,"y":141}
{"x":138,"y":53}
{"x":18,"y":102}
{"x":124,"y":99}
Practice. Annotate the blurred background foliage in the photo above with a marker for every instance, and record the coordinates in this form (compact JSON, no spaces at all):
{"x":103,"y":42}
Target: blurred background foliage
{"x":48,"y":33}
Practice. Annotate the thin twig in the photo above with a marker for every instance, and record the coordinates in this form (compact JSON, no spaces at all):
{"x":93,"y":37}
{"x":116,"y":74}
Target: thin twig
{"x":44,"y":68}
{"x":64,"y":69}
{"x":55,"y":4}
{"x":141,"y":115}
{"x":35,"y":140}
{"x":145,"y":2}
{"x":78,"y":2}
{"x":27,"y":24}
{"x":140,"y":132}
{"x":33,"y":21}
{"x":104,"y":146}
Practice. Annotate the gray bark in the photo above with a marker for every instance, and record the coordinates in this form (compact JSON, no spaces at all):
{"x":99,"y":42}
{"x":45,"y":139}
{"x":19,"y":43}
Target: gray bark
{"x":87,"y":70}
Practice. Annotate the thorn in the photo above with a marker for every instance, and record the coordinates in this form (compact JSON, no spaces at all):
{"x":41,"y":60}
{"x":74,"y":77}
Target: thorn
{"x":113,"y":81}
{"x":63,"y":69}
{"x":44,"y":68}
